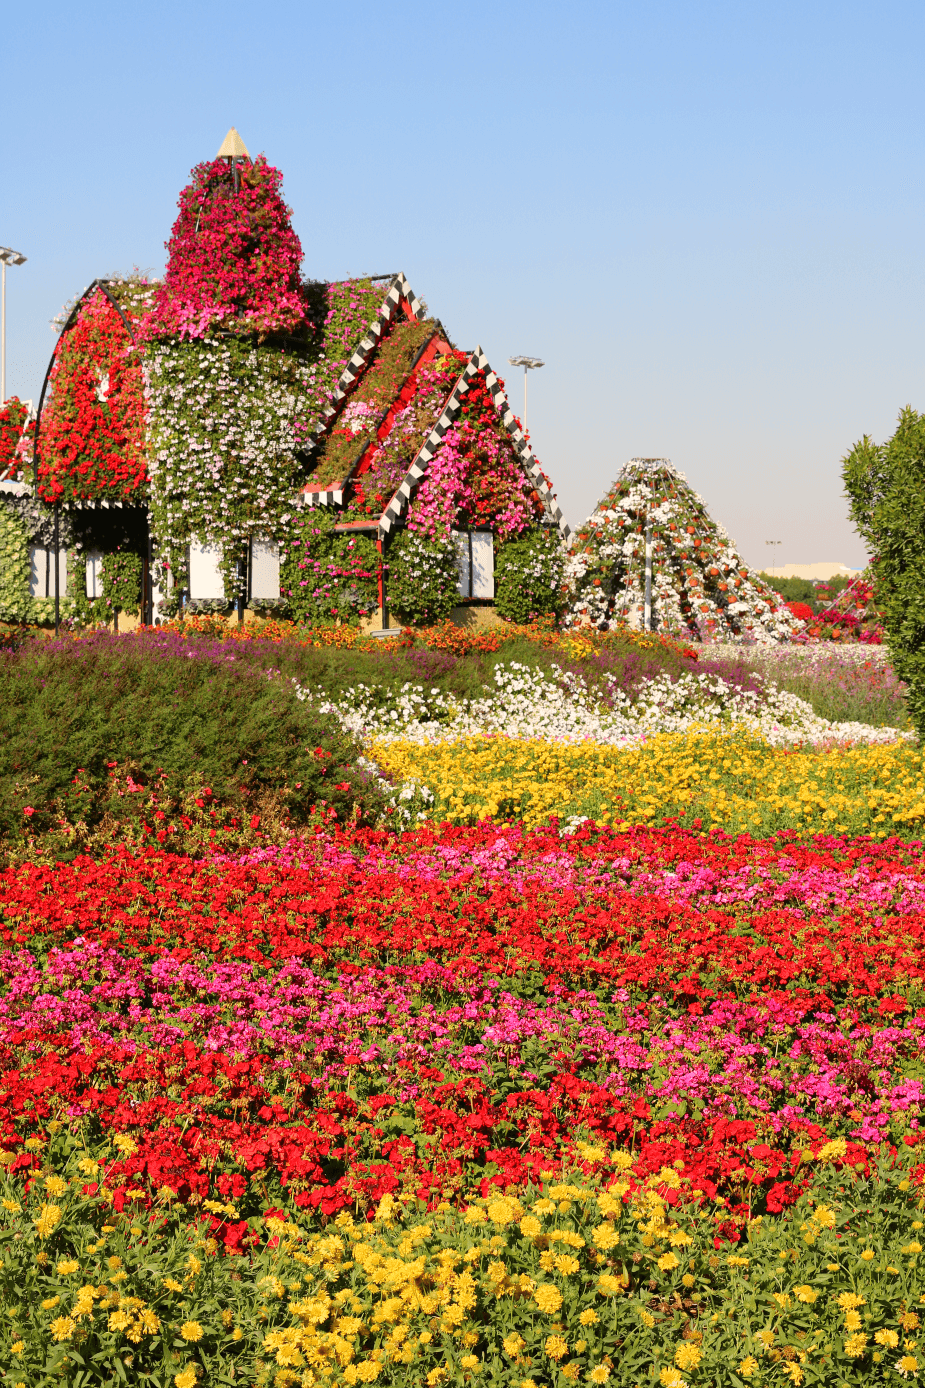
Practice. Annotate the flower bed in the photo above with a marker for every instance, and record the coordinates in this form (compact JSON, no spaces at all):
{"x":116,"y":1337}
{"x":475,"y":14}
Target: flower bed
{"x":701,"y":779}
{"x":690,"y":1065}
{"x":477,"y":1101}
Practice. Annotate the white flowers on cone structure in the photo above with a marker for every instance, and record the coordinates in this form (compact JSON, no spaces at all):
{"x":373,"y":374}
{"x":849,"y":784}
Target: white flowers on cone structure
{"x":701,"y":588}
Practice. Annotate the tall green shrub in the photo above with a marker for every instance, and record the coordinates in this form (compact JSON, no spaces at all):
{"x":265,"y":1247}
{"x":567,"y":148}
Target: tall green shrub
{"x":885,"y":484}
{"x":184,"y":714}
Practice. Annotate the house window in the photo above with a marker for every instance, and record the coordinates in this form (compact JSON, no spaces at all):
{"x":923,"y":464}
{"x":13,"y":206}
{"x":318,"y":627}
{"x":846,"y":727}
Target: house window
{"x":94,"y":574}
{"x":475,"y":563}
{"x":264,"y":568}
{"x":205,"y":576}
{"x":42,"y":572}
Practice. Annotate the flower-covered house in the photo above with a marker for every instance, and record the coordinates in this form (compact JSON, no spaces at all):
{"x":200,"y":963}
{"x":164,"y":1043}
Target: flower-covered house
{"x":237,"y":435}
{"x":419,"y":454}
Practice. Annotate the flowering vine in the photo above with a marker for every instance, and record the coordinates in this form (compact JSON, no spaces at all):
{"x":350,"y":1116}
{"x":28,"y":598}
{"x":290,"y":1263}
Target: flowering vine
{"x":222,"y":443}
{"x":233,"y":257}
{"x":326,"y":577}
{"x":92,"y":439}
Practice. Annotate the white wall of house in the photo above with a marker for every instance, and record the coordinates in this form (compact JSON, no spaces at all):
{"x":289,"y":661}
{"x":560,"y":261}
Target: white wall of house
{"x":264,"y":568}
{"x":205,"y":577}
{"x":42,"y":571}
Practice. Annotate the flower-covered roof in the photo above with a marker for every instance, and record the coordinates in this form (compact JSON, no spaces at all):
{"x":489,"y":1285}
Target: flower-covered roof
{"x":701,"y":587}
{"x":16,"y":428}
{"x":91,"y":416}
{"x":367,"y":389}
{"x":378,"y":378}
{"x":233,"y":256}
{"x":405,"y":395}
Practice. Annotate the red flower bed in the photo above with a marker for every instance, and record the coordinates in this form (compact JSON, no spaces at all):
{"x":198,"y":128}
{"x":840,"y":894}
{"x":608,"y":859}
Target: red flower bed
{"x":455,"y":1009}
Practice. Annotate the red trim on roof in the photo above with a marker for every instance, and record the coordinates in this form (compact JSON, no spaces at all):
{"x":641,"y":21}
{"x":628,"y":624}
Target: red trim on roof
{"x":437,"y":346}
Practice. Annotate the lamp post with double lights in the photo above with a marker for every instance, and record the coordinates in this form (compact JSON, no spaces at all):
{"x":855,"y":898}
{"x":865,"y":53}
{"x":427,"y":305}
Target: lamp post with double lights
{"x":7,"y":257}
{"x":773,"y":542}
{"x":528,"y":364}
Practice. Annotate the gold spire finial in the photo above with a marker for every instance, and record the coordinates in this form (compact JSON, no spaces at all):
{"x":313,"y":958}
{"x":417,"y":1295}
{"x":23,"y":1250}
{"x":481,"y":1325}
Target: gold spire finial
{"x":233,"y":147}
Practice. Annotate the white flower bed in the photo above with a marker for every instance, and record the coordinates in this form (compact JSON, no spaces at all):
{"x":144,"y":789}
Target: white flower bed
{"x":797,"y":656}
{"x":529,"y":704}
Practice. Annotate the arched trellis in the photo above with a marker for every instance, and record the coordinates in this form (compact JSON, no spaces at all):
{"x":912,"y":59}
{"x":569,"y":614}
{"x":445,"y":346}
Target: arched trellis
{"x":90,"y":290}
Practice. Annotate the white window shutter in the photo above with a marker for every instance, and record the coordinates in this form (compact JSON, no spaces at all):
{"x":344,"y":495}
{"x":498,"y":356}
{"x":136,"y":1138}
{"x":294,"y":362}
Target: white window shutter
{"x":94,"y":574}
{"x":461,"y":541}
{"x":205,"y":576}
{"x":38,"y":572}
{"x":264,"y":568}
{"x":483,"y":564}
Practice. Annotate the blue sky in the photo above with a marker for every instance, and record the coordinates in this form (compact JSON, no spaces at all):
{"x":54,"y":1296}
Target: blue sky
{"x":707,"y":219}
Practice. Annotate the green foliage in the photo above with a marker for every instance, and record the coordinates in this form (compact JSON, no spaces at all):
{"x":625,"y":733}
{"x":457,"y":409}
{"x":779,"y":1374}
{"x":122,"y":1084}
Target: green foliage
{"x":528,"y":575}
{"x":885,"y":485}
{"x":23,"y":523}
{"x":815,"y":595}
{"x":224,"y":415}
{"x":570,"y":1282}
{"x":326,"y":577}
{"x":423,"y":583}
{"x":195,"y":715}
{"x":122,"y":576}
{"x":14,"y":563}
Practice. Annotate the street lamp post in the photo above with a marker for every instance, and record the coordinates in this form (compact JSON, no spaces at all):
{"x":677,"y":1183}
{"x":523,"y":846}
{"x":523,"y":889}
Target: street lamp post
{"x":528,"y":364}
{"x":7,"y":257}
{"x":773,"y":542}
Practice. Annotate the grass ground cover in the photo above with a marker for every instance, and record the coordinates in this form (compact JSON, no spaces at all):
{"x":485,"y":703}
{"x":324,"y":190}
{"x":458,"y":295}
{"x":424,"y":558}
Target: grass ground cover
{"x":527,"y":1103}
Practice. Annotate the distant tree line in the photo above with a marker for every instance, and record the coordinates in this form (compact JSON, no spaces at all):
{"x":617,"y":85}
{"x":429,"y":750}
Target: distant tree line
{"x":816,"y":594}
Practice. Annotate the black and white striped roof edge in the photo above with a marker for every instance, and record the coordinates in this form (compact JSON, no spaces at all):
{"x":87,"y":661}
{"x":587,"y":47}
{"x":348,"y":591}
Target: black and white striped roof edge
{"x":398,"y":289}
{"x":418,"y":469}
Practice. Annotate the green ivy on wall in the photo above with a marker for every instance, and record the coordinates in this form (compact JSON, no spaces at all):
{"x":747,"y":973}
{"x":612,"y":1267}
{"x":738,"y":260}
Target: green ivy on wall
{"x":528,"y":575}
{"x":14,"y":563}
{"x":423,"y":582}
{"x":223,"y":444}
{"x":24,"y":523}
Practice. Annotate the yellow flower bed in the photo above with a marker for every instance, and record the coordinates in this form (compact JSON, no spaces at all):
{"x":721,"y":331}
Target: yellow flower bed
{"x":735,"y":782}
{"x":568,"y":1283}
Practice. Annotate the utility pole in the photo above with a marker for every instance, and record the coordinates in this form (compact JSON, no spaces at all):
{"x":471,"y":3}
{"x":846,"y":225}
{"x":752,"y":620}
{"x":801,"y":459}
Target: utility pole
{"x":7,"y":257}
{"x":773,"y":542}
{"x":528,"y":364}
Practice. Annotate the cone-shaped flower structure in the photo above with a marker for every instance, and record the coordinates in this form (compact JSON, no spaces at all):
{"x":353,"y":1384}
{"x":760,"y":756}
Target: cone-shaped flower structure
{"x":651,"y":543}
{"x":234,"y":257}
